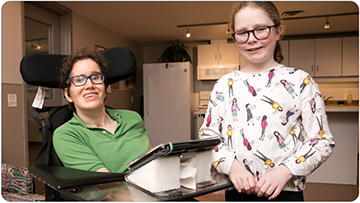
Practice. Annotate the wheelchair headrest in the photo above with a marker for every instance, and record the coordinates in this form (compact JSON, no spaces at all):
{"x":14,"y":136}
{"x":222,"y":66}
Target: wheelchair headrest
{"x":44,"y":69}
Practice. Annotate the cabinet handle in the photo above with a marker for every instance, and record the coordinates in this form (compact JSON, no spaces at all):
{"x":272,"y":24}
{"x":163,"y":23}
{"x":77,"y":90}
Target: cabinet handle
{"x":220,"y":56}
{"x":312,"y":68}
{"x":215,"y":57}
{"x":317,"y":68}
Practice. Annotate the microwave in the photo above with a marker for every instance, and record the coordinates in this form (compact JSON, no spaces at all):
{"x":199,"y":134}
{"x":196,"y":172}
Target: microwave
{"x":214,"y":72}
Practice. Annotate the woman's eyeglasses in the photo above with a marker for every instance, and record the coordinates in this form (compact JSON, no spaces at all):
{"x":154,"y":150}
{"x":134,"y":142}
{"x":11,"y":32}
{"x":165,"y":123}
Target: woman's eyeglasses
{"x":259,"y":33}
{"x":80,"y":80}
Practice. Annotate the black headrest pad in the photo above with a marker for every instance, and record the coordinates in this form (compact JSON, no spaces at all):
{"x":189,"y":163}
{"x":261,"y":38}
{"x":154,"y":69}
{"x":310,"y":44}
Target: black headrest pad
{"x":44,"y":69}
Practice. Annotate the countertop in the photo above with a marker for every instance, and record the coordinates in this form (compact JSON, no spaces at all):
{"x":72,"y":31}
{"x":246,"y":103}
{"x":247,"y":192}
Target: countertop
{"x":328,"y":108}
{"x":200,"y":111}
{"x":341,"y":108}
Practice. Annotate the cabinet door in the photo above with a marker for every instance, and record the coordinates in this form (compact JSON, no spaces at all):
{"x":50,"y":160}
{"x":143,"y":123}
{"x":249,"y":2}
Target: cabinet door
{"x":228,"y":54}
{"x":208,"y":54}
{"x":350,"y":66}
{"x":328,"y":57}
{"x":285,"y":51}
{"x":301,"y":55}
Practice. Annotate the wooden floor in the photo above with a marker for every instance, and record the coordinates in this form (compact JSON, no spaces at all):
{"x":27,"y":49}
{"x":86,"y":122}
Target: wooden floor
{"x":312,"y":192}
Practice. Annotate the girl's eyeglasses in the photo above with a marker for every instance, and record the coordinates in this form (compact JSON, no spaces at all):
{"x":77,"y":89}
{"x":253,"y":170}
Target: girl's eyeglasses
{"x":259,"y":33}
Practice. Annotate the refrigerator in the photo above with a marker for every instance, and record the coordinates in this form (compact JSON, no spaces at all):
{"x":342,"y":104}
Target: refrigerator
{"x":168,"y":101}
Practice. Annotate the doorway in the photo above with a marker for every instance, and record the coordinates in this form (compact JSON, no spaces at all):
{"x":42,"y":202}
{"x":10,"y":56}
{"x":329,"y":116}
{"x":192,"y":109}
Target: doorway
{"x":42,"y":35}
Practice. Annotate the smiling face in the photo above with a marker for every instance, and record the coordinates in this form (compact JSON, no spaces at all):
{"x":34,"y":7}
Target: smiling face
{"x":256,"y":51}
{"x":88,"y":96}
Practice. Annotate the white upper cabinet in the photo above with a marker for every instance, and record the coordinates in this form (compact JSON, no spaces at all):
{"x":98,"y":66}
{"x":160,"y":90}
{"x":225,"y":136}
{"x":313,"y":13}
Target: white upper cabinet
{"x":301,"y":55}
{"x":318,"y":57}
{"x":328,"y":57}
{"x":350,"y":64}
{"x":218,"y":54}
{"x":207,"y":54}
{"x":228,"y":54}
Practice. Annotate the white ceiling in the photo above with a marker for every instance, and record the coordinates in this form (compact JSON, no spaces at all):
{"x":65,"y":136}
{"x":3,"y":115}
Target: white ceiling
{"x":156,"y":22}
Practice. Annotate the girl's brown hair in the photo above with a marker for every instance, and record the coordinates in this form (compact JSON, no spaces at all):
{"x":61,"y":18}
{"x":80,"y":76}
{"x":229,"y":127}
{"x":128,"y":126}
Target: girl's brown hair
{"x":273,"y":14}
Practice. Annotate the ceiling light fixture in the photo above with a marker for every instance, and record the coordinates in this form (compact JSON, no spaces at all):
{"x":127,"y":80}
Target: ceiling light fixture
{"x":327,"y":24}
{"x":228,"y":32}
{"x":37,"y":47}
{"x":188,"y":33}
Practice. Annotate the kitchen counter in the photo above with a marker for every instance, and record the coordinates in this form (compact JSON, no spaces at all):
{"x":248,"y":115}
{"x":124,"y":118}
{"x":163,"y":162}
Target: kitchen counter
{"x":328,"y":108}
{"x":200,"y":112}
{"x":341,"y":108}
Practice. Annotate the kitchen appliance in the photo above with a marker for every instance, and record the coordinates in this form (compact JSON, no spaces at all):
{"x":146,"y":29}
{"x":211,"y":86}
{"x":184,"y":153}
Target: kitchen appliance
{"x":168,"y":107}
{"x":214,"y":72}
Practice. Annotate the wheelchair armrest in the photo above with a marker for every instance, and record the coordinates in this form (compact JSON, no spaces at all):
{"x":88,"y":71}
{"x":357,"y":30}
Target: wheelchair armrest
{"x":59,"y":177}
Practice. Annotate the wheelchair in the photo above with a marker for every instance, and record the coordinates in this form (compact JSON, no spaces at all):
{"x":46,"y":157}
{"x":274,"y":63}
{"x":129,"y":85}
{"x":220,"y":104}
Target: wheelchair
{"x":44,"y":70}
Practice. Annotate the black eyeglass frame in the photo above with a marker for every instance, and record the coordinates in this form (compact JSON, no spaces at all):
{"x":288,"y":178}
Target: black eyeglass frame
{"x":253,"y":32}
{"x":88,"y":77}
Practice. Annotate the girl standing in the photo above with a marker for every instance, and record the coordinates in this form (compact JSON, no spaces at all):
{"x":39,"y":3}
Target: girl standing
{"x":257,"y":30}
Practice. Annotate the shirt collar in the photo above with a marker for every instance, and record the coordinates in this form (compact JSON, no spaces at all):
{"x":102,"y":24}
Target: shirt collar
{"x":113,"y":114}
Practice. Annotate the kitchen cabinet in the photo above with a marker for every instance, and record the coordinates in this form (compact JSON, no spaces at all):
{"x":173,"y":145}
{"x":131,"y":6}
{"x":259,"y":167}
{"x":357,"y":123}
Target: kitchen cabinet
{"x":218,"y":54}
{"x":350,"y":63}
{"x":318,"y":57}
{"x":301,"y":54}
{"x":328,"y":57}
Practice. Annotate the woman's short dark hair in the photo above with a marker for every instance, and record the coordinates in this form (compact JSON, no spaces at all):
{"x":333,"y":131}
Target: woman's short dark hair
{"x":78,"y":55}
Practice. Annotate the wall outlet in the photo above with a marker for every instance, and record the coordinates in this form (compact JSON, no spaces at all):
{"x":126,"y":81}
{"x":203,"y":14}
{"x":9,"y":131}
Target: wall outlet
{"x":205,"y":95}
{"x":12,"y":100}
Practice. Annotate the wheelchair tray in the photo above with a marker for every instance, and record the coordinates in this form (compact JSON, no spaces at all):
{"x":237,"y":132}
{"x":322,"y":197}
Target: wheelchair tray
{"x":170,"y":149}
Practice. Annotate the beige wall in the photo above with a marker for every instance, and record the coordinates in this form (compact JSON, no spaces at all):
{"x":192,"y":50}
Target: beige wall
{"x":86,"y":33}
{"x":13,"y":138}
{"x":12,"y":51}
{"x":13,"y":133}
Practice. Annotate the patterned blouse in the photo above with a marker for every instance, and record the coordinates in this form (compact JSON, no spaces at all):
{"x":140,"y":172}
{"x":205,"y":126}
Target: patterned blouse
{"x":265,"y":120}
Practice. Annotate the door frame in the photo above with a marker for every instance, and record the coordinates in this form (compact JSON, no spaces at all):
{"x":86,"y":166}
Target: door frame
{"x":63,"y":47}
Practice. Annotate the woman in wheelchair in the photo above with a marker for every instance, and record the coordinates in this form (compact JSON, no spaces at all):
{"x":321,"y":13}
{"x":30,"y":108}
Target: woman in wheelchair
{"x":96,"y":138}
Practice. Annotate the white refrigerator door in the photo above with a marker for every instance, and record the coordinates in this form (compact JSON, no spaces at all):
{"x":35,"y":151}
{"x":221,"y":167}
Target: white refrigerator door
{"x":167,"y":102}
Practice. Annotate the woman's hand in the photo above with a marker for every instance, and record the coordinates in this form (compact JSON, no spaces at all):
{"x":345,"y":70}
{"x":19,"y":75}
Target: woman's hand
{"x":273,"y":182}
{"x":242,"y":179}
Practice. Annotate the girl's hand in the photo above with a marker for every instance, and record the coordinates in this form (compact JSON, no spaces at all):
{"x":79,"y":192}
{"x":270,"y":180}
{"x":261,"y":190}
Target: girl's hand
{"x":273,"y":182}
{"x":242,"y":179}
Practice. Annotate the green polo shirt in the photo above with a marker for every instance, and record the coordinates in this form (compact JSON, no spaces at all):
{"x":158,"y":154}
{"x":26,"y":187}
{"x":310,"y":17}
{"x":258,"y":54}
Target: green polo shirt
{"x":90,"y":148}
